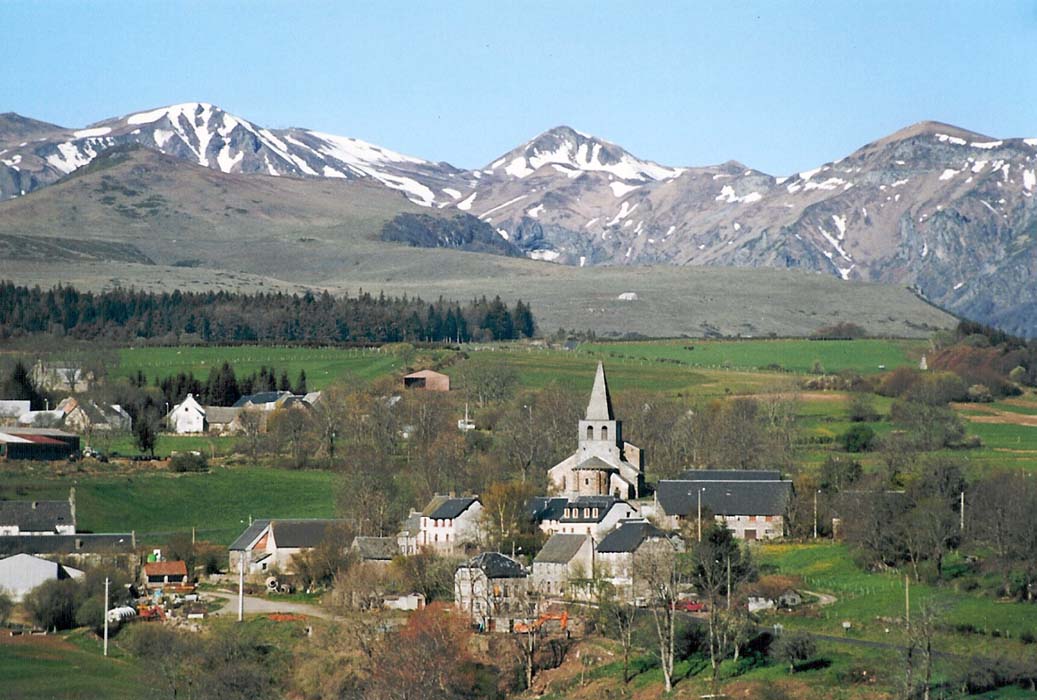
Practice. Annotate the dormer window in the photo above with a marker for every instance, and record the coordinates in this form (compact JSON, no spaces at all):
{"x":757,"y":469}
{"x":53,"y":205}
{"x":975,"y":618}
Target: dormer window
{"x":567,"y":512}
{"x":586,"y":512}
{"x":595,"y":512}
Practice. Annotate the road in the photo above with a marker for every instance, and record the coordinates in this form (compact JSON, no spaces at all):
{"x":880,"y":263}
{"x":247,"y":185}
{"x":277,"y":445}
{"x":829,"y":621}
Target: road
{"x":262,"y":606}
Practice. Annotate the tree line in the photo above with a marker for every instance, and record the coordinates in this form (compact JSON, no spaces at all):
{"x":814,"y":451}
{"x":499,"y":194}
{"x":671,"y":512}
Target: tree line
{"x":121,"y":315}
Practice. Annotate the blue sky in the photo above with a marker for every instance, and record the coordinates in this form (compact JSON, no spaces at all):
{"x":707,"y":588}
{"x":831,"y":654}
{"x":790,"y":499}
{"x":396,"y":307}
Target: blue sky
{"x":780,"y":86}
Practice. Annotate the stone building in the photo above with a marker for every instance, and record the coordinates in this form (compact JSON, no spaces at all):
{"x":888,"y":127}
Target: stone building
{"x":491,"y":589}
{"x":603,"y":463}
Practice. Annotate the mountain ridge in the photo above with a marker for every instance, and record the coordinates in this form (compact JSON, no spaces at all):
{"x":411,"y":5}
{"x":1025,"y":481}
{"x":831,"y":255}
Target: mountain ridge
{"x":933,"y":206}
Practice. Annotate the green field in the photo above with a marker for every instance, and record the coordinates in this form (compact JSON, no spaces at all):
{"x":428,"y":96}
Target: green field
{"x":791,"y":355}
{"x":863,"y":598}
{"x":322,"y":365}
{"x":156,"y":505}
{"x":69,"y":667}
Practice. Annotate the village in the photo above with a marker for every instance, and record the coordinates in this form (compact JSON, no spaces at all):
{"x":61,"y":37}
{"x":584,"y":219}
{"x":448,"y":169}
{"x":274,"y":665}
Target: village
{"x":601,"y":548}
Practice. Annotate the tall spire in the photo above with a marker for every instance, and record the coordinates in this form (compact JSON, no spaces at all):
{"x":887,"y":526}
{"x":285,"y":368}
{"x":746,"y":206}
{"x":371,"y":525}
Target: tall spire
{"x":600,"y":406}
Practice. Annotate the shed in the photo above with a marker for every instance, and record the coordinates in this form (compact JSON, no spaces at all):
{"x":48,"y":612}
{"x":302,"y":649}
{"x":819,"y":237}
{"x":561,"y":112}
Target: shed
{"x":21,"y":573}
{"x":427,"y":379}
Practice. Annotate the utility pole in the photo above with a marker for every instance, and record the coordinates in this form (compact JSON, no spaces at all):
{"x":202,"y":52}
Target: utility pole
{"x":241,"y":586}
{"x":106,"y":616}
{"x":699,"y":520}
{"x":907,"y":599}
{"x":729,"y":581}
{"x":815,"y":512}
{"x":963,"y":511}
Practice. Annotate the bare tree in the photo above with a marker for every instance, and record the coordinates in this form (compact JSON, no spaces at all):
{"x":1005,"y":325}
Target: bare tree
{"x":658,"y":572}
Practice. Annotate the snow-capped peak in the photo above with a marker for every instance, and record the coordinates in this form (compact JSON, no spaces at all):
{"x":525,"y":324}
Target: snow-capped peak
{"x":578,"y":152}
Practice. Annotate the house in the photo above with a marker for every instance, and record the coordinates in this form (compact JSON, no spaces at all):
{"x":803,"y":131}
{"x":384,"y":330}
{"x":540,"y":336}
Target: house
{"x":270,"y":544}
{"x":42,"y":444}
{"x":588,"y":515}
{"x":563,"y":559}
{"x":603,"y":464}
{"x":450,"y":524}
{"x":38,"y":518}
{"x":48,"y":377}
{"x":753,"y":505}
{"x":428,"y":380}
{"x":11,"y":411}
{"x":166,"y":576}
{"x":83,"y":415}
{"x":188,"y":416}
{"x":618,"y":554}
{"x":267,"y":400}
{"x":380,"y":550}
{"x":490,"y":588}
{"x":21,"y":573}
{"x":407,"y":537}
{"x":222,"y":420}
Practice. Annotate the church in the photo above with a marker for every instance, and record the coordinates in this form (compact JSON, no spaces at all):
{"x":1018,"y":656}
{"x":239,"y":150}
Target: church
{"x":603,"y":464}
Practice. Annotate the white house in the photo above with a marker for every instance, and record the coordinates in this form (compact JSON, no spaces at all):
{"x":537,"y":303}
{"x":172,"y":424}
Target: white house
{"x":450,"y":524}
{"x":586,"y":515}
{"x":271,"y":544}
{"x":188,"y":416}
{"x":21,"y":573}
{"x":603,"y":464}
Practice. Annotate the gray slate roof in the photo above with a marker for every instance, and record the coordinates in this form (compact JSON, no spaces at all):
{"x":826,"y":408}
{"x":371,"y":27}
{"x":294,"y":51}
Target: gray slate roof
{"x":629,"y":536}
{"x":36,"y":516}
{"x":543,"y":508}
{"x":725,"y":497}
{"x":597,"y":463}
{"x":446,"y":507}
{"x":67,"y":544}
{"x":560,"y":549}
{"x":299,"y":533}
{"x":221,"y":414}
{"x":730,"y":475}
{"x":495,"y":565}
{"x":261,"y":398}
{"x":602,"y":503}
{"x":376,"y":548}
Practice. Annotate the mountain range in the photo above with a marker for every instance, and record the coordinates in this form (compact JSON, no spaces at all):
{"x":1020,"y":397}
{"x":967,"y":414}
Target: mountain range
{"x":945,"y":211}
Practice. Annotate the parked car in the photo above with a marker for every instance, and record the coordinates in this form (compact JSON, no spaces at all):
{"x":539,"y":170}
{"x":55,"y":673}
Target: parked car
{"x":689,"y":605}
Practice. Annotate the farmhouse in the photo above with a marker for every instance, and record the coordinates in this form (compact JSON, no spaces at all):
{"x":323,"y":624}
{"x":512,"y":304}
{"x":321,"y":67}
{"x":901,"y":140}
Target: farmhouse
{"x":83,"y":416}
{"x":222,"y":420}
{"x":618,"y":555}
{"x":563,"y":559}
{"x":603,"y":463}
{"x":269,"y":544}
{"x":43,"y":444}
{"x":267,"y":400}
{"x":490,"y":588}
{"x":752,"y":504}
{"x":428,"y":380}
{"x":166,"y":576}
{"x":450,"y":524}
{"x":188,"y":416}
{"x":38,"y":518}
{"x":585,"y":515}
{"x":21,"y":573}
{"x":380,"y":550}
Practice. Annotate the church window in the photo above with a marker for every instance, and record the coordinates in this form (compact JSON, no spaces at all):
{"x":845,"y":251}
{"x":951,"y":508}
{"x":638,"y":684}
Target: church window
{"x":586,"y":482}
{"x":604,"y":433}
{"x":590,"y":432}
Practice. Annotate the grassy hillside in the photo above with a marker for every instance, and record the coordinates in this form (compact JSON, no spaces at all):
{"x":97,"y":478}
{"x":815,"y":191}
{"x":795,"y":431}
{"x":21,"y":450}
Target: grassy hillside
{"x":101,"y":225}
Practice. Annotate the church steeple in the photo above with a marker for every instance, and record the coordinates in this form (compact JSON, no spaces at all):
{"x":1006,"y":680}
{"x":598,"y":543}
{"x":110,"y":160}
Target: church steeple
{"x":600,"y":405}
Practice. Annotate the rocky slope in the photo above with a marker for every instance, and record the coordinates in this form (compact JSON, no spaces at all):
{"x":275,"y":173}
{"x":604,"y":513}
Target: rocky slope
{"x":946,"y":211}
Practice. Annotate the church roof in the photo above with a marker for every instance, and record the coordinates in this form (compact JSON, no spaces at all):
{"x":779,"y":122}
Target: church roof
{"x":600,"y":405}
{"x":596,"y":463}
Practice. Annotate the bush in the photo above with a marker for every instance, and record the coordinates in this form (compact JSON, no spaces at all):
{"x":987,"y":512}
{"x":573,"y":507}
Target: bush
{"x":6,"y":606}
{"x":792,"y":648}
{"x":859,"y":438}
{"x":52,"y":605}
{"x":979,"y":393}
{"x":188,"y":462}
